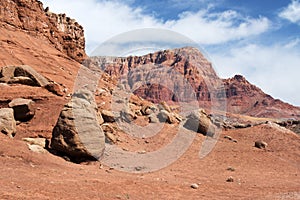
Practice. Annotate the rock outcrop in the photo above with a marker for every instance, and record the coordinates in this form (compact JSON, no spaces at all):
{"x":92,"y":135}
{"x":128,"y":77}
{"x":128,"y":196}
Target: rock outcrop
{"x":77,"y":133}
{"x":22,"y":75}
{"x":7,"y":122}
{"x":30,"y":16}
{"x":26,"y":75}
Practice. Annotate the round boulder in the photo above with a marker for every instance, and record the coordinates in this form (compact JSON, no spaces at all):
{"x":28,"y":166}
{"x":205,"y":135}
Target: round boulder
{"x":198,"y":121}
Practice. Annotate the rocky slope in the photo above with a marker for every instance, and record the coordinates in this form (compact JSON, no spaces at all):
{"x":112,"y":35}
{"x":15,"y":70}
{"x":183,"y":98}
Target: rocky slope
{"x":51,"y":45}
{"x":29,"y":17}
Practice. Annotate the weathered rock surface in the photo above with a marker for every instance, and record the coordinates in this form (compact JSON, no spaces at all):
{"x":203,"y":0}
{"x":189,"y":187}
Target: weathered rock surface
{"x":153,"y":118}
{"x":55,"y":88}
{"x":165,"y":116}
{"x":108,"y":116}
{"x":30,"y":16}
{"x":199,"y":121}
{"x":22,"y":74}
{"x":109,"y":133}
{"x":128,"y":115}
{"x":7,"y":122}
{"x":36,"y":141}
{"x":24,"y":109}
{"x":77,"y":133}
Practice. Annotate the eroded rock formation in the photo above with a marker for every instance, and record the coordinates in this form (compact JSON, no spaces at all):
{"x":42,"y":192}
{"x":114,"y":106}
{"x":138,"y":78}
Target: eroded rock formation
{"x":30,"y":16}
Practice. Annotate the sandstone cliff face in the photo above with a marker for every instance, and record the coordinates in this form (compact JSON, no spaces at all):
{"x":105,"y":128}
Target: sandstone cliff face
{"x":171,"y":75}
{"x":183,"y":75}
{"x":29,"y":16}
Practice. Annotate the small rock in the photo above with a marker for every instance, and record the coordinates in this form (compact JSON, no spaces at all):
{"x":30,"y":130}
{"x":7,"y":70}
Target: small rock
{"x":165,"y":116}
{"x":128,"y":115}
{"x":230,"y":169}
{"x":108,"y":116}
{"x":7,"y":122}
{"x":260,"y":144}
{"x":110,"y":138}
{"x":146,"y":110}
{"x":229,"y":179}
{"x":36,"y":148}
{"x":153,"y":118}
{"x":55,"y":88}
{"x":142,"y":152}
{"x":24,"y":109}
{"x":139,"y":168}
{"x":165,"y":106}
{"x":36,"y":141}
{"x":228,"y":137}
{"x":109,"y":133}
{"x":195,"y":186}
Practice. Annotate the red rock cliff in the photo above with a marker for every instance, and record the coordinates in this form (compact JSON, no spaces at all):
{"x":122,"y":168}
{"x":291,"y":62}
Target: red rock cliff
{"x":29,"y":16}
{"x":236,"y":94}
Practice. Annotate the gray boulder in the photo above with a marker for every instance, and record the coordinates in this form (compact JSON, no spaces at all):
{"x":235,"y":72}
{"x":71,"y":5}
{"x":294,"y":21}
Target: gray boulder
{"x":199,"y":121}
{"x":153,"y":118}
{"x":165,"y":116}
{"x":7,"y":122}
{"x":128,"y":115}
{"x":77,"y":133}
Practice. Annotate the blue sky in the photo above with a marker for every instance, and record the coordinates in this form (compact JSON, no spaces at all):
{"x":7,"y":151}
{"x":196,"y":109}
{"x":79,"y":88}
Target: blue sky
{"x":258,"y":39}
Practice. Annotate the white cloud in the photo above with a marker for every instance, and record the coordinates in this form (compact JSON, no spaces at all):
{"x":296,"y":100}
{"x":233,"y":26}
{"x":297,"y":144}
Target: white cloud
{"x":292,"y":12}
{"x":275,"y":69}
{"x":213,"y":28}
{"x":104,"y":19}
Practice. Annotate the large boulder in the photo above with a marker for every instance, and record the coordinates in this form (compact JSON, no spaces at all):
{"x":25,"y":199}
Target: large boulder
{"x":77,"y":133}
{"x":7,"y":122}
{"x":199,"y":121}
{"x":24,"y":109}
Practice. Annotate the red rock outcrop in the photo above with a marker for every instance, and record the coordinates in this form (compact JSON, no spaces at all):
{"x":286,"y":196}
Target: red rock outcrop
{"x":245,"y":98}
{"x":185,"y":75}
{"x":30,"y":17}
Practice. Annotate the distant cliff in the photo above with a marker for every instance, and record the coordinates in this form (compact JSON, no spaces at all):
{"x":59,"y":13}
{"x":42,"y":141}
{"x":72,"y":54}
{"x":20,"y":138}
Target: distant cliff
{"x":30,"y":16}
{"x":237,"y":94}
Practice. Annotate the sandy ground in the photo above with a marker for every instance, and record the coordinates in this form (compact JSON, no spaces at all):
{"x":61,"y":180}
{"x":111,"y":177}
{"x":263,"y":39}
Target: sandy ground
{"x":258,"y":174}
